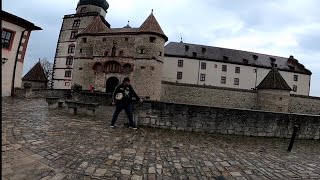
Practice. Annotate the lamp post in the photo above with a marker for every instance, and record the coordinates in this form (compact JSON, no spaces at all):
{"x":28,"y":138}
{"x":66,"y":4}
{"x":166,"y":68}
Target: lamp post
{"x":4,"y":60}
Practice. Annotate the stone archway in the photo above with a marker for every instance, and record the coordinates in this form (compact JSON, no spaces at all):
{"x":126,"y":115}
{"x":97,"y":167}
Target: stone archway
{"x":111,"y":84}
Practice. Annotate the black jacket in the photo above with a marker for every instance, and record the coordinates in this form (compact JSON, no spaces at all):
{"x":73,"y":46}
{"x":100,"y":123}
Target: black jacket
{"x":127,"y":92}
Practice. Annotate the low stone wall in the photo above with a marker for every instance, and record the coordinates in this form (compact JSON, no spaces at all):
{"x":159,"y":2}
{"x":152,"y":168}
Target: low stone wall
{"x":40,"y":93}
{"x":304,"y":104}
{"x":226,"y":121}
{"x":96,"y":97}
{"x":208,"y":95}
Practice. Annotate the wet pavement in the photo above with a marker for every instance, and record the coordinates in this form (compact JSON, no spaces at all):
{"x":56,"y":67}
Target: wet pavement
{"x":42,"y":143}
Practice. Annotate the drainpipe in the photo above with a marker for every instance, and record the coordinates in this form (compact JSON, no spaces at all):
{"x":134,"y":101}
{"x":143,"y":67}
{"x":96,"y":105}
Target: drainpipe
{"x":15,"y":63}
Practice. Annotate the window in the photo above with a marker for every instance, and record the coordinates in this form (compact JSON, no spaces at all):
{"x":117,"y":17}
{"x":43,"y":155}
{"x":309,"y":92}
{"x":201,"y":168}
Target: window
{"x":224,"y":68}
{"x":238,"y":70}
{"x":255,"y":57}
{"x":71,"y":48}
{"x":141,"y":51}
{"x":104,"y":39}
{"x":106,"y":53}
{"x":179,"y":75}
{"x":215,"y":66}
{"x":67,"y":73}
{"x":225,"y":58}
{"x":295,"y":77}
{"x":113,"y":51}
{"x":194,"y":54}
{"x":126,"y":39}
{"x":69,"y":61}
{"x":76,"y":23}
{"x":73,"y":34}
{"x":236,"y":81}
{"x":152,"y":39}
{"x":121,"y":53}
{"x":84,"y":40}
{"x":83,"y":9}
{"x":180,"y":63}
{"x":204,"y":50}
{"x":160,"y":53}
{"x":67,"y":84}
{"x":6,"y":38}
{"x":202,"y":77}
{"x":186,"y":48}
{"x":203,"y":65}
{"x":112,"y":67}
{"x":80,"y":50}
{"x":223,"y":79}
{"x":295,"y":88}
{"x":245,"y":61}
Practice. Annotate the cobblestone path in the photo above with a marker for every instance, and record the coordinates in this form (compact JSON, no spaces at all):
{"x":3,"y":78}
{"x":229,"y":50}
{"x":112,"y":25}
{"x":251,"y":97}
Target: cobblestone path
{"x":42,"y":143}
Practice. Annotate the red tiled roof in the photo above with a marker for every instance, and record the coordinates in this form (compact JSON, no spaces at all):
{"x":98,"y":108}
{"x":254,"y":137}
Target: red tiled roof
{"x":35,"y":74}
{"x":95,"y":26}
{"x":151,"y":25}
{"x":274,"y":80}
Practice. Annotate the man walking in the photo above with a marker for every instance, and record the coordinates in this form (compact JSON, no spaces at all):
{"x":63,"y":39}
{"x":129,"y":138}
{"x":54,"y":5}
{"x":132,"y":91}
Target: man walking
{"x":122,"y":98}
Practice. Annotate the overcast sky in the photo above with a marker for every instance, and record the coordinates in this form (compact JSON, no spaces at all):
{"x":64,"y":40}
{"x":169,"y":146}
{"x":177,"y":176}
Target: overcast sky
{"x":276,"y":27}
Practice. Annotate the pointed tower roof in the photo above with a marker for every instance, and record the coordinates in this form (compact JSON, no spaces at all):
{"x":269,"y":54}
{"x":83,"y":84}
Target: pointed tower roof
{"x":36,"y":74}
{"x":274,"y":80}
{"x":151,"y":25}
{"x":95,"y":26}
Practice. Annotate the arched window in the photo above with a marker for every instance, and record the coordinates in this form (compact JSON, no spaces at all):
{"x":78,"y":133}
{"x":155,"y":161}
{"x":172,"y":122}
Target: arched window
{"x":98,"y":67}
{"x":71,"y":48}
{"x":127,"y":68}
{"x":112,"y":67}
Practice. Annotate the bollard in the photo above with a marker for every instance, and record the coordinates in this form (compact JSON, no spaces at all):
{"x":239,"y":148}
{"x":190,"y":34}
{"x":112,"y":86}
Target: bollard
{"x":294,"y":134}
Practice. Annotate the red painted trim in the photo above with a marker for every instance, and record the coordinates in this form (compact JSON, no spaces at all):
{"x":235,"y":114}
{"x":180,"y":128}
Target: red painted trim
{"x":11,"y":38}
{"x":24,"y":45}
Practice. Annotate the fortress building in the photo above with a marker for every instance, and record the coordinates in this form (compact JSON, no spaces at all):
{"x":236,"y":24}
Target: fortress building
{"x":90,"y":52}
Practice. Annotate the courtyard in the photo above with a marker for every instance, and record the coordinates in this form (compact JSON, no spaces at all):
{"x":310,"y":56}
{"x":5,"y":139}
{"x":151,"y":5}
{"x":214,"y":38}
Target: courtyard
{"x":41,"y":143}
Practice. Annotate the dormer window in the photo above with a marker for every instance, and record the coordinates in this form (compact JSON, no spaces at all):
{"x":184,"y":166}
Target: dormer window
{"x":272,"y":59}
{"x":152,"y":39}
{"x":204,"y":50}
{"x":194,"y":54}
{"x":225,"y":58}
{"x":245,"y":61}
{"x":186,"y":48}
{"x":255,"y":57}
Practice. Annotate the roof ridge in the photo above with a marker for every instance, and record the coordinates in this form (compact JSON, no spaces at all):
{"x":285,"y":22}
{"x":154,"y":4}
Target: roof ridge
{"x":35,"y":74}
{"x":95,"y":26}
{"x":152,"y":25}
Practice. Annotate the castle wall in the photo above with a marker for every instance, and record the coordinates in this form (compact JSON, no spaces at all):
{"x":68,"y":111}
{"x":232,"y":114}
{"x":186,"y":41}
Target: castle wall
{"x":208,"y":95}
{"x":273,"y":100}
{"x":304,"y":104}
{"x":227,"y":121}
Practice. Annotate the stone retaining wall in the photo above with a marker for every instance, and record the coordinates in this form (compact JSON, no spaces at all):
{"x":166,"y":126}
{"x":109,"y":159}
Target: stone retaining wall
{"x":226,"y":121}
{"x":40,"y":93}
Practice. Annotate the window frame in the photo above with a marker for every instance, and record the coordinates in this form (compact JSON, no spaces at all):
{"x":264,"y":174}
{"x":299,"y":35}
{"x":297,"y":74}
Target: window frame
{"x":224,"y":68}
{"x":236,"y":81}
{"x":180,"y":63}
{"x":237,"y":70}
{"x":76,"y":23}
{"x":69,"y":61}
{"x":68,"y":73}
{"x":73,"y":34}
{"x":203,"y":65}
{"x":142,"y":51}
{"x":295,"y":77}
{"x":202,"y":77}
{"x":223,"y":80}
{"x":295,"y":88}
{"x":179,"y":75}
{"x":12,"y":35}
{"x":71,"y":48}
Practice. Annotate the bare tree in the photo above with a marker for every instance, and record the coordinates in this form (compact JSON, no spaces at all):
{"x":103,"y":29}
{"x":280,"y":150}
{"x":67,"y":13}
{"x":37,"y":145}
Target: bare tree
{"x":48,"y":69}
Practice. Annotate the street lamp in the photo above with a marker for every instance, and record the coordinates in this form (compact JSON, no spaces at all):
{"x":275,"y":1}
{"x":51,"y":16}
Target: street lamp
{"x":4,"y":60}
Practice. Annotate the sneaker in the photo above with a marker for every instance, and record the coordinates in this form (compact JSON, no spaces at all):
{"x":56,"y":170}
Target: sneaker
{"x":133,"y":127}
{"x":112,"y":126}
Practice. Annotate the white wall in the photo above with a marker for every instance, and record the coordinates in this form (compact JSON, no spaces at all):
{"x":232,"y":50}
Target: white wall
{"x":247,"y":78}
{"x":7,"y":68}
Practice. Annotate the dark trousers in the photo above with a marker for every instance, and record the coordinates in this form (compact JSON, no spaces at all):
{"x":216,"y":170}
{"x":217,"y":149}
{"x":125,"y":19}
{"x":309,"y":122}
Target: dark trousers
{"x":127,"y":108}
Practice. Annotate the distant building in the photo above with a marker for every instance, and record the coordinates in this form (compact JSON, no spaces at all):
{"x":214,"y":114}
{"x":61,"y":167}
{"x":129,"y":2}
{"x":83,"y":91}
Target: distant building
{"x":222,"y":67}
{"x":14,"y":39}
{"x":36,"y":77}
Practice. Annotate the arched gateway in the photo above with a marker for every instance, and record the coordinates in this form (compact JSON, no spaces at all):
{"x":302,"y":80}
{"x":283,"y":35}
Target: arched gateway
{"x":111,"y":84}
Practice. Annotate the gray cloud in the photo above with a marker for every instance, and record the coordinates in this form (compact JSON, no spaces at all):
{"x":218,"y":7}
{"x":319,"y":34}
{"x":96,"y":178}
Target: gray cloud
{"x":279,"y":27}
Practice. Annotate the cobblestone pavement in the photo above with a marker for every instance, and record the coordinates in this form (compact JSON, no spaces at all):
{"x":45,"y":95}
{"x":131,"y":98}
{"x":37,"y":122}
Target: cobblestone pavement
{"x":42,"y":143}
